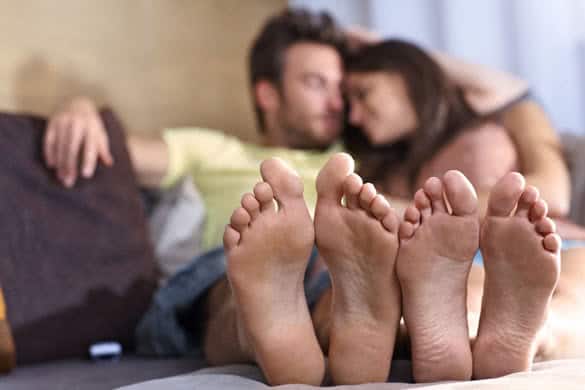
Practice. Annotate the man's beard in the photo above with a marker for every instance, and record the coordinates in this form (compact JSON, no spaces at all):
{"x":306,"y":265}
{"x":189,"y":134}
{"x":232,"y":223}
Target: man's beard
{"x":299,"y":137}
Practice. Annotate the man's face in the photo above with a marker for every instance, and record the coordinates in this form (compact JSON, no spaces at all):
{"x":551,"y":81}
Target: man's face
{"x":311,"y":105}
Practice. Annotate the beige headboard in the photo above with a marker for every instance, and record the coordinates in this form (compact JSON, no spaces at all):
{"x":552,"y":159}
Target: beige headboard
{"x":158,"y":63}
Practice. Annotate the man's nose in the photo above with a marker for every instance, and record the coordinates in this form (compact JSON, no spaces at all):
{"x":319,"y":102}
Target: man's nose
{"x":355,"y":115}
{"x":335,"y":102}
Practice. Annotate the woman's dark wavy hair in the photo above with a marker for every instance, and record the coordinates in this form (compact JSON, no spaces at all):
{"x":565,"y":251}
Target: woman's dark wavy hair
{"x":440,"y":108}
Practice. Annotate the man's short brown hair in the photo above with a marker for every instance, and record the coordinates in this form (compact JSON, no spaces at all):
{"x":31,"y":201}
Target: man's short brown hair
{"x":267,"y":54}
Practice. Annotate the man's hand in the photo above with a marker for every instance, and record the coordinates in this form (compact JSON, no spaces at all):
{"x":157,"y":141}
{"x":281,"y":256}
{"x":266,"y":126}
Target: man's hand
{"x":358,"y":37}
{"x":76,"y":138}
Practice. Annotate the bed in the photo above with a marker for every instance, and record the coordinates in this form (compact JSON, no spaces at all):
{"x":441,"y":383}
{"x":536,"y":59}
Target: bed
{"x":166,"y":63}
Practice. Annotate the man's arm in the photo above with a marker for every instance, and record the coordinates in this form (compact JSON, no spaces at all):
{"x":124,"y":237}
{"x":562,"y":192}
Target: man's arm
{"x":487,"y":90}
{"x":76,"y":134}
{"x":150,"y":158}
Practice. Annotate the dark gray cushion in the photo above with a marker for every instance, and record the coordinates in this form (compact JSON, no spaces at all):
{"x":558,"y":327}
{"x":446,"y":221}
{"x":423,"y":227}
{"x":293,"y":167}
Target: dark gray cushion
{"x":76,"y":265}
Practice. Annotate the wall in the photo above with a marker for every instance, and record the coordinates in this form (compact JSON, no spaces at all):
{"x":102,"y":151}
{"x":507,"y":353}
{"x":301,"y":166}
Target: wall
{"x":541,"y":41}
{"x":156,"y":62}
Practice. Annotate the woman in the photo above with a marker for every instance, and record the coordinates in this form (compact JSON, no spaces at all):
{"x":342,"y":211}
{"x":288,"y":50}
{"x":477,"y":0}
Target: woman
{"x":418,"y":116}
{"x":410,"y":115}
{"x":411,"y":121}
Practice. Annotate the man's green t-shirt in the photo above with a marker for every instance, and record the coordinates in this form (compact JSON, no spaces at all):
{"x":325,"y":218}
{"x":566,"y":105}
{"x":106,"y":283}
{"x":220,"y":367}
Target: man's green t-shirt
{"x":224,"y":168}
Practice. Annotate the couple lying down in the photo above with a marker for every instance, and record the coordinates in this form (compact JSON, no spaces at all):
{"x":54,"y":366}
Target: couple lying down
{"x":467,"y":313}
{"x":517,"y":308}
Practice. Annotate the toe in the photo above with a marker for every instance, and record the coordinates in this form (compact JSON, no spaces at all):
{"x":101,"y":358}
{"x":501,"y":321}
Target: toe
{"x":332,"y":176}
{"x":285,"y":182}
{"x":240,"y":219}
{"x":545,"y":226}
{"x":422,"y":203}
{"x":231,"y":237}
{"x":391,"y":221}
{"x":460,"y":193}
{"x":539,"y":210}
{"x":552,"y":243}
{"x":527,"y":200}
{"x":412,"y":215}
{"x":367,"y":195}
{"x":406,"y":230}
{"x":264,"y":196}
{"x":251,"y":205}
{"x":434,"y":190}
{"x":505,"y":194}
{"x":379,"y":207}
{"x":351,"y":189}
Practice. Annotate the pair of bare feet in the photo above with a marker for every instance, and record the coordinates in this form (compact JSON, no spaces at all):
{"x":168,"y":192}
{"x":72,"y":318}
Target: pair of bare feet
{"x":382,"y":269}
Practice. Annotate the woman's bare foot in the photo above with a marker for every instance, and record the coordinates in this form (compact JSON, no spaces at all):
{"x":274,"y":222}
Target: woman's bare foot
{"x":268,"y":248}
{"x":359,"y":243}
{"x":522,"y":266}
{"x":436,"y":251}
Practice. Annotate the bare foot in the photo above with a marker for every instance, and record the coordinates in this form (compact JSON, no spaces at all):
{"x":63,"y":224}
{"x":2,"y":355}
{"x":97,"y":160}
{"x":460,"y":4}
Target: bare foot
{"x":359,"y":242}
{"x":268,"y":248}
{"x":436,"y":252}
{"x":522,"y":266}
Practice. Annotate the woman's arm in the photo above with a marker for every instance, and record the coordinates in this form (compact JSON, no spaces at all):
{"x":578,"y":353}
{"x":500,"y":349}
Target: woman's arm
{"x":539,"y":154}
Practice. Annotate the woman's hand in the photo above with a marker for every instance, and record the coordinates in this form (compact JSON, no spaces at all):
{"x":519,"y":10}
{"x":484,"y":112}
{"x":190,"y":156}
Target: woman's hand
{"x":76,"y":133}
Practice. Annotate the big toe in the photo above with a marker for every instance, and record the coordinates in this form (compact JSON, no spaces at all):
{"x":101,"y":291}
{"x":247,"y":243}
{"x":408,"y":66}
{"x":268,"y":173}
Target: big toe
{"x":460,"y":193}
{"x":505,"y":194}
{"x":285,"y":182}
{"x":332,"y":176}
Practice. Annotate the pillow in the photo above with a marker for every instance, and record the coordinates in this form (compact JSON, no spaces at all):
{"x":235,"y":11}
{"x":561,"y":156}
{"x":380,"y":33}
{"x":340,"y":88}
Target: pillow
{"x":76,"y":264}
{"x":176,"y":227}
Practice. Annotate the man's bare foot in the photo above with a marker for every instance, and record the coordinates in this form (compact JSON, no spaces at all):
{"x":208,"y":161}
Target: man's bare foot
{"x":436,"y":251}
{"x":522,"y":266}
{"x":359,"y":243}
{"x":268,"y":248}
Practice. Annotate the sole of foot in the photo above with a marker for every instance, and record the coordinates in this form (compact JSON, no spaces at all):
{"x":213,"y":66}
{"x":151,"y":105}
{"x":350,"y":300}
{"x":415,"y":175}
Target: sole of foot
{"x":358,"y":240}
{"x":521,"y":254}
{"x":268,"y":244}
{"x":439,"y":238}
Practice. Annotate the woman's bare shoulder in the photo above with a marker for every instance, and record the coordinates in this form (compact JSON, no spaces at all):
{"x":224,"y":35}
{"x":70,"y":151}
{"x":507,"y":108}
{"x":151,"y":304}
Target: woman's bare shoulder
{"x":484,"y":153}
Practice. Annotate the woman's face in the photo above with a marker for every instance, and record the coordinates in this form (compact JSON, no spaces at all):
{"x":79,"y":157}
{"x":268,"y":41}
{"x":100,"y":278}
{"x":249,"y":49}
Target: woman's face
{"x":380,"y":105}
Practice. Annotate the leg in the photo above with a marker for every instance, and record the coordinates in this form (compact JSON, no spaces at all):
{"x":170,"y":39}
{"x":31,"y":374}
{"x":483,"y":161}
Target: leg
{"x":436,"y":252}
{"x":222,"y":344}
{"x":566,"y":320}
{"x":268,"y":248}
{"x":359,"y":243}
{"x":521,"y":260}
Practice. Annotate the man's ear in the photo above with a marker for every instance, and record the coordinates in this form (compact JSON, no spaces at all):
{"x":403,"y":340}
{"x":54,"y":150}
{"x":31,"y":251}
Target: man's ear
{"x":267,"y":95}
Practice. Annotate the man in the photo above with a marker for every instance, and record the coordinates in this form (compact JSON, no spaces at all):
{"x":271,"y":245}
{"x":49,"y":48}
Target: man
{"x":296,"y":73}
{"x":296,"y":77}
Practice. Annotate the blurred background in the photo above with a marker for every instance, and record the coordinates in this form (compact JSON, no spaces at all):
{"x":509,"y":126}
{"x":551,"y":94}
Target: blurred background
{"x":179,"y":62}
{"x":541,"y":41}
